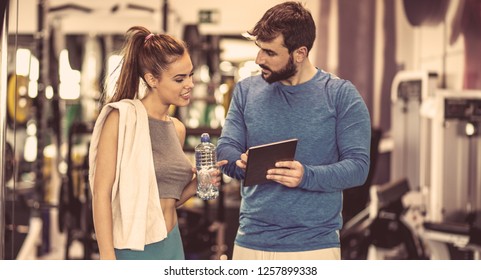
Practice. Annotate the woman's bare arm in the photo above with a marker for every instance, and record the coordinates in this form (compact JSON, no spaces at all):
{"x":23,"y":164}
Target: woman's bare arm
{"x":103,"y":183}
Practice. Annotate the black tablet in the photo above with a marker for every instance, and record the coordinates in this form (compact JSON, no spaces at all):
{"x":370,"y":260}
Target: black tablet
{"x":264,"y":157}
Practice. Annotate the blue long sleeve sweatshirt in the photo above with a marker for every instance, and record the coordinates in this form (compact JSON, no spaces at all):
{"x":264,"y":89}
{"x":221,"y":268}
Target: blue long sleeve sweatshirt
{"x":332,"y":123}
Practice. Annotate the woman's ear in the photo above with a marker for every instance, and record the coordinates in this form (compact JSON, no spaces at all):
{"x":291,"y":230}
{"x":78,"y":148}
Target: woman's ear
{"x":150,"y":79}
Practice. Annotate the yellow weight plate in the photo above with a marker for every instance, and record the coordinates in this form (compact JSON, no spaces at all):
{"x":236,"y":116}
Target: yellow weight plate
{"x":17,"y":98}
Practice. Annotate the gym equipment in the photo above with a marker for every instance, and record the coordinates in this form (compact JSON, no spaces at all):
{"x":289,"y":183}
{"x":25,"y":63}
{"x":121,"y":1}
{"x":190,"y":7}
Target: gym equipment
{"x":23,"y":225}
{"x":453,"y":240}
{"x":9,"y":162}
{"x":453,"y":128}
{"x":19,"y":104}
{"x":454,"y":189}
{"x":409,"y":90}
{"x":75,"y":203}
{"x":380,"y":231}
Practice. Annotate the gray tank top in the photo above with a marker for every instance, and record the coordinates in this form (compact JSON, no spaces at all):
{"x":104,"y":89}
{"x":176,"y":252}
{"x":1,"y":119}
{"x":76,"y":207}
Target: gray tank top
{"x":173,"y":169}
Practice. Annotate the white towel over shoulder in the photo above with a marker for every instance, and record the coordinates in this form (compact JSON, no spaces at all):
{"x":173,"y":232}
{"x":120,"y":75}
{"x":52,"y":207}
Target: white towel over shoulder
{"x":137,"y":216}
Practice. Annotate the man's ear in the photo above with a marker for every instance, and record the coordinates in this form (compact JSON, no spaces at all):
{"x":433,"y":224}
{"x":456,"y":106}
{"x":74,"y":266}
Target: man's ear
{"x":300,"y":54}
{"x":150,"y":79}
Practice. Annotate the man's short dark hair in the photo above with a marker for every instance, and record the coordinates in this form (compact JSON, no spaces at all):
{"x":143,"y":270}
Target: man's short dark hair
{"x":292,"y":20}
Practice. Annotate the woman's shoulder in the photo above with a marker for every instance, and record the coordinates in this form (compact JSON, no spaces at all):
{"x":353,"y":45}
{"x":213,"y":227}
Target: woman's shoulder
{"x":121,"y":105}
{"x":179,"y":129}
{"x":179,"y":126}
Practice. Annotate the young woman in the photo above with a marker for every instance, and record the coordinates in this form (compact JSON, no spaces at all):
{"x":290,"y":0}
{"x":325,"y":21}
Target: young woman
{"x":139,"y":173}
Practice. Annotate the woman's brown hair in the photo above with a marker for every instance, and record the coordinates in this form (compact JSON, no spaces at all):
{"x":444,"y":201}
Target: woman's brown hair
{"x":144,"y":52}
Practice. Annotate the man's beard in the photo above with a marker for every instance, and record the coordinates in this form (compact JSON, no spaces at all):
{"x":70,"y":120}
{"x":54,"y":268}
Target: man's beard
{"x":285,"y":73}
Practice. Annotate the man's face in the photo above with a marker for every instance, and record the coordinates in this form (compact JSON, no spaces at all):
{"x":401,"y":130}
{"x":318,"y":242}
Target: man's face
{"x":275,"y":60}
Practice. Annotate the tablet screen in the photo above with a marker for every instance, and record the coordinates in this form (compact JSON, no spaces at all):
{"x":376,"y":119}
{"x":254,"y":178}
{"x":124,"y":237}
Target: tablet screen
{"x":264,"y":157}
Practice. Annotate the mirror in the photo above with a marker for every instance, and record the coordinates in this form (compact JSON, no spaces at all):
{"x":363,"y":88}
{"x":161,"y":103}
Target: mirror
{"x":54,"y":70}
{"x":3,"y":108}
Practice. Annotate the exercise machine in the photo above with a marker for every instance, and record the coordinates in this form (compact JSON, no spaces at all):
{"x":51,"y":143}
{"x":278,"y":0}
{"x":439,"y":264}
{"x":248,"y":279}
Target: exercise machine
{"x":75,"y":216}
{"x":408,"y":92}
{"x":454,"y":187}
{"x":384,"y":229}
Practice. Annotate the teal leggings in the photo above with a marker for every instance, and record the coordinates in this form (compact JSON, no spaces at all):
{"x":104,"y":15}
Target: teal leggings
{"x":170,"y":248}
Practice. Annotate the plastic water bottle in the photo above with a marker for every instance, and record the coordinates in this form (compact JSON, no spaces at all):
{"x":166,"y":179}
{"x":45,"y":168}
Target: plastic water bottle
{"x":205,"y":160}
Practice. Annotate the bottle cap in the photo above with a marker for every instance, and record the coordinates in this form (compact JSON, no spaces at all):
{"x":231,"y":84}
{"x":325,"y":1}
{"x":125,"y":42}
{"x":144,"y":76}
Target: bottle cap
{"x":205,"y":137}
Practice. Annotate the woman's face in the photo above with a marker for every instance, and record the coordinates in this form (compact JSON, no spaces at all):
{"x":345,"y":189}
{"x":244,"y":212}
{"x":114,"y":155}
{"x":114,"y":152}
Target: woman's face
{"x":175,"y":84}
